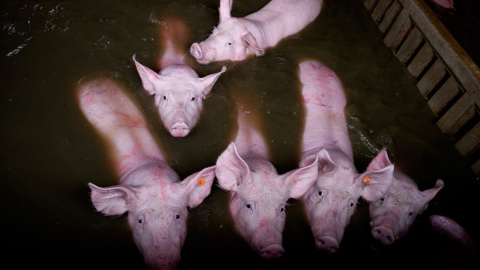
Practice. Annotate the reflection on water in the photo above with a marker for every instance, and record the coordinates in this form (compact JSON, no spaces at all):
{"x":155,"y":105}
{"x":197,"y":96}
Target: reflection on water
{"x":49,"y":151}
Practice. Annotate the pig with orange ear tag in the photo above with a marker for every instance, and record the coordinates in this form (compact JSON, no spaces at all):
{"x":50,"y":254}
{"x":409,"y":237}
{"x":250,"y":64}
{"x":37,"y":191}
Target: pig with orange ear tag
{"x":152,"y":193}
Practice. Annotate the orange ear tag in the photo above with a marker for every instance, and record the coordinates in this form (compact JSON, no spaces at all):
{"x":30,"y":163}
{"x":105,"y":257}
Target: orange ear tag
{"x":366,"y":180}
{"x":293,"y":179}
{"x":201,"y":181}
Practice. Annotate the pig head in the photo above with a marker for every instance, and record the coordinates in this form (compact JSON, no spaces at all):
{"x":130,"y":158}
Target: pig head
{"x":258,"y":197}
{"x":332,"y":200}
{"x":156,"y":202}
{"x":394,"y":213}
{"x":179,"y":94}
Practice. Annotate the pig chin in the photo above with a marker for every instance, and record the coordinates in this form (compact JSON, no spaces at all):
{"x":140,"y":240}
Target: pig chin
{"x":162,"y":262}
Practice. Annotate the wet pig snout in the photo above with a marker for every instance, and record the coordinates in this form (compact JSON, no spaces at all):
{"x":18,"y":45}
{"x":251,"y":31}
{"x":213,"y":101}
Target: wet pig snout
{"x":196,"y":51}
{"x":179,"y":129}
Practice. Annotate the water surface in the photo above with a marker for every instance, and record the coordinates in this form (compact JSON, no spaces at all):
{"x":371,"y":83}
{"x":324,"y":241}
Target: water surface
{"x":49,"y":151}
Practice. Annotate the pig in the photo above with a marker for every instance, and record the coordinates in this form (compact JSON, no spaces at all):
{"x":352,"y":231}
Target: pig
{"x":460,"y":252}
{"x":452,"y":230}
{"x":394,"y":213}
{"x":149,"y":189}
{"x":331,"y":200}
{"x":177,"y":89}
{"x":448,"y":4}
{"x":258,"y":194}
{"x":237,"y":38}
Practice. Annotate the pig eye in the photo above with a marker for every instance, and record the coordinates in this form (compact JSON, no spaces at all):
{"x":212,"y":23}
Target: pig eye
{"x":177,"y":216}
{"x":248,"y":209}
{"x":141,"y":220}
{"x":382,"y":200}
{"x":164,"y":97}
{"x":192,"y":99}
{"x":229,"y":43}
{"x":351,"y":203}
{"x":410,"y":213}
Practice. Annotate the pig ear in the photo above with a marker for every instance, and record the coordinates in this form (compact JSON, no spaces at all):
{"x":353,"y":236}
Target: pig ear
{"x":112,"y":200}
{"x":300,"y":180}
{"x":148,"y":76}
{"x":429,"y":194}
{"x":225,"y":9}
{"x":251,"y":42}
{"x":380,"y":161}
{"x":231,"y":169}
{"x":325,"y":163}
{"x":375,"y":183}
{"x":206,"y":83}
{"x":197,"y":186}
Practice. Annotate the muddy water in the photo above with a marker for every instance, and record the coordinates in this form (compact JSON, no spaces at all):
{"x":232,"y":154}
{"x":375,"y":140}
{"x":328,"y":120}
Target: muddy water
{"x":49,"y":152}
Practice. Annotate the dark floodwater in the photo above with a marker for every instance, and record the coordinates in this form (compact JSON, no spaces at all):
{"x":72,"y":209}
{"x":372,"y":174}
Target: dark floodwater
{"x":49,"y":152}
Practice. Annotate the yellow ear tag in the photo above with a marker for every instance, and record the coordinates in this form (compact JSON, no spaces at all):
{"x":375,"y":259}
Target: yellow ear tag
{"x":366,"y":180}
{"x":201,"y":181}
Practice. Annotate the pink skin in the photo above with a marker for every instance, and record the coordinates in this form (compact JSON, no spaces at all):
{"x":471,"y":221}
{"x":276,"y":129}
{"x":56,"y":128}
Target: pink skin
{"x":258,"y":193}
{"x":393,"y":215}
{"x":149,"y":190}
{"x":177,"y":89}
{"x":453,"y":231}
{"x":449,"y":4}
{"x":332,"y":200}
{"x":237,"y":38}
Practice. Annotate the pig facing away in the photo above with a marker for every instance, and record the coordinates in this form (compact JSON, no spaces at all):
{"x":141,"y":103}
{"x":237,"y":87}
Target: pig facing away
{"x":149,"y":190}
{"x":394,"y":213}
{"x":258,"y":194}
{"x":236,"y":38}
{"x":332,"y":199}
{"x":177,"y":89}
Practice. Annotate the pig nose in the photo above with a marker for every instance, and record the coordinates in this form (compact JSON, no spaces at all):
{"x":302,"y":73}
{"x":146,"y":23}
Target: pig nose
{"x":196,"y":51}
{"x":327,"y":243}
{"x":272,"y":251}
{"x":179,"y":129}
{"x":384,"y":234}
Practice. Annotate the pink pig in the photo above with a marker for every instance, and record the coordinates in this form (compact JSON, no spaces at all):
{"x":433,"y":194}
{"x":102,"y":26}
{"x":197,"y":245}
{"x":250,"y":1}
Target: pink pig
{"x":331,"y":201}
{"x":393,"y":214}
{"x":258,"y":194}
{"x":149,"y":190}
{"x":178,"y":90}
{"x":236,"y":38}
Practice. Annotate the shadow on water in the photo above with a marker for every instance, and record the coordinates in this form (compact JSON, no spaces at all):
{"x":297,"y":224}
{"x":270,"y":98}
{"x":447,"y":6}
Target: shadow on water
{"x":49,"y":152}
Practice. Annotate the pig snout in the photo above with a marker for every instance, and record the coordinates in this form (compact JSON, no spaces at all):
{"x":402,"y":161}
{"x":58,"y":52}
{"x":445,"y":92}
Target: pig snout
{"x":272,"y":251}
{"x":179,"y":129}
{"x":384,"y":234}
{"x":196,"y":51}
{"x":327,"y":243}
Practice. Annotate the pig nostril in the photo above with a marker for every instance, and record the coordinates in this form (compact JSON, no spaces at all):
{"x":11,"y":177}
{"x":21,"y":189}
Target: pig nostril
{"x":272,"y":251}
{"x":388,"y":239}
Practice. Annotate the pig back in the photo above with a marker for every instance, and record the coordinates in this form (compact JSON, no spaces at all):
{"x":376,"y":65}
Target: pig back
{"x":324,"y":101}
